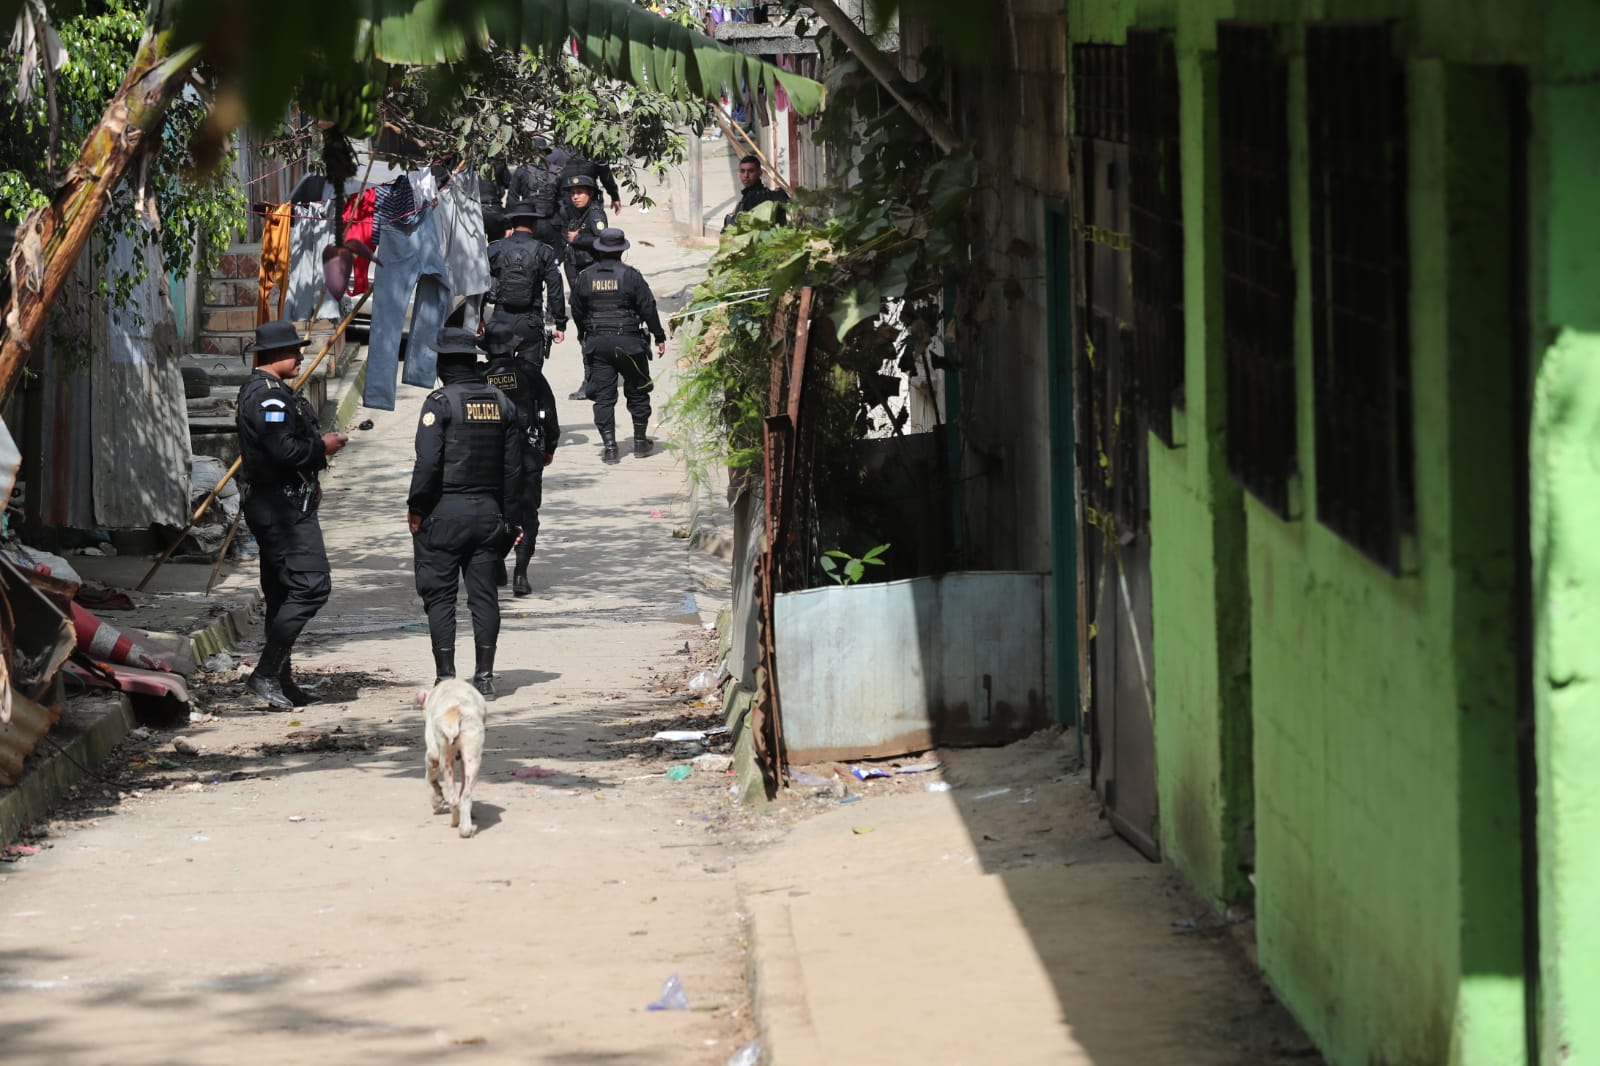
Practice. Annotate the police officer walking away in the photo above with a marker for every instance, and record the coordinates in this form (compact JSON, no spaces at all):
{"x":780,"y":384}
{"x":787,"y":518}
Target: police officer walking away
{"x":464,"y":488}
{"x":521,"y":265}
{"x":527,"y":388}
{"x":613,"y":306}
{"x":282,"y":453}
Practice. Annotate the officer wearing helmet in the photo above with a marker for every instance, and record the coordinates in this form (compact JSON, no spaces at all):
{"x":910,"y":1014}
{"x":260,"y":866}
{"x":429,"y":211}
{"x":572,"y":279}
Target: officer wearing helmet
{"x":523,"y":382}
{"x":613,"y":307}
{"x":465,"y":490}
{"x":522,"y":266}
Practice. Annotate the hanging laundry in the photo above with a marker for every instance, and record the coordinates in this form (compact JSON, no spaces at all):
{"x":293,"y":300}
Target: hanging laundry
{"x":459,"y":217}
{"x":272,"y":284}
{"x":413,"y":262}
{"x":313,"y":231}
{"x":393,"y":202}
{"x":359,"y":226}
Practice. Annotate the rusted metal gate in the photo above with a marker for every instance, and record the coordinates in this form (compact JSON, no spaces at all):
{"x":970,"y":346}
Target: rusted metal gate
{"x":786,"y":469}
{"x":1120,"y":706}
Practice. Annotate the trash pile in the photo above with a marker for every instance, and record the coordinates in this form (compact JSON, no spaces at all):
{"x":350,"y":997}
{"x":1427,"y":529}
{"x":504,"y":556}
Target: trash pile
{"x":51,"y":632}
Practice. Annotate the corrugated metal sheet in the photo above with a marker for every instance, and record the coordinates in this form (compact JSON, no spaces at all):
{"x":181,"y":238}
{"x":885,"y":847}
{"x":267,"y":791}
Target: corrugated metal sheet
{"x":885,"y":669}
{"x":141,"y":426}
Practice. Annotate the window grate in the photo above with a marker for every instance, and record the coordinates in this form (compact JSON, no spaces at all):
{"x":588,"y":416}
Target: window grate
{"x":1360,"y":286}
{"x":1156,"y":210}
{"x":1258,"y":271}
{"x":1100,"y":92}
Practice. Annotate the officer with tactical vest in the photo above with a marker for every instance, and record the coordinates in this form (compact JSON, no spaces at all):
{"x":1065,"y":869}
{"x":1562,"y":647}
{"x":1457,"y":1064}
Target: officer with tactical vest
{"x":281,"y":453}
{"x":613,"y":306}
{"x":527,"y":388}
{"x":586,"y":220}
{"x":520,"y":264}
{"x":464,"y":488}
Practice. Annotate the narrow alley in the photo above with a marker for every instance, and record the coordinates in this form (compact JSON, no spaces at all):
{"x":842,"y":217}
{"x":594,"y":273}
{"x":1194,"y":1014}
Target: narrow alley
{"x":287,"y":896}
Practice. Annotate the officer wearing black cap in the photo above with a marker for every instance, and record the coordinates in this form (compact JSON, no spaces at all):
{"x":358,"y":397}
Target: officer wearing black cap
{"x":585,"y":222}
{"x":613,"y":306}
{"x":464,"y":488}
{"x":527,"y":388}
{"x":521,"y":265}
{"x":282,"y":451}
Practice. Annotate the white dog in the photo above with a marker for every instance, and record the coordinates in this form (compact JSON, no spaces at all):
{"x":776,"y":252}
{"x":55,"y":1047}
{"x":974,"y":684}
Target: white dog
{"x":454,"y":720}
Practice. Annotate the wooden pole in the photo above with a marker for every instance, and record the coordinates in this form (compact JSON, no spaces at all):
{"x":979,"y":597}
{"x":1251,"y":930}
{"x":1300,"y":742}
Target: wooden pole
{"x":233,"y":527}
{"x":731,"y":130}
{"x":211,"y":496}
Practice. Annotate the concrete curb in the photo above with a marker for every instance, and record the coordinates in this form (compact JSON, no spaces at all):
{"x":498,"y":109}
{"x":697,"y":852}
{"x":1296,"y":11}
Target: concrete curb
{"x":344,"y":396}
{"x":45,"y":783}
{"x":224,"y":632}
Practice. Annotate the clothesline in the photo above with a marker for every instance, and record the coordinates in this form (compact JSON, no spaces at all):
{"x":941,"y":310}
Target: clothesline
{"x":265,"y":211}
{"x":748,"y":296}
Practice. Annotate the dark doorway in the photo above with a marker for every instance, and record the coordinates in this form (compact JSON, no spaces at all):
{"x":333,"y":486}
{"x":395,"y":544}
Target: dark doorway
{"x":1120,"y":723}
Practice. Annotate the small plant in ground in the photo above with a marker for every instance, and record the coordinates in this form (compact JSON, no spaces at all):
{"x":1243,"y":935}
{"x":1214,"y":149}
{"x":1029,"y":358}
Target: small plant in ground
{"x":846,"y":569}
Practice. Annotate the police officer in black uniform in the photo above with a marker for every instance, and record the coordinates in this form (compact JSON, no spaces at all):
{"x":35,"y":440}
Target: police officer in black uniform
{"x":282,"y":452}
{"x":463,"y":489}
{"x":525,"y":384}
{"x":586,"y":220}
{"x":613,"y":306}
{"x":521,"y":265}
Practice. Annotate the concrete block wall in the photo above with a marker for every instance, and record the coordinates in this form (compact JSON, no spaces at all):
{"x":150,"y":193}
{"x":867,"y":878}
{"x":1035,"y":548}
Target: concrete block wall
{"x":1363,"y":723}
{"x":228,"y":302}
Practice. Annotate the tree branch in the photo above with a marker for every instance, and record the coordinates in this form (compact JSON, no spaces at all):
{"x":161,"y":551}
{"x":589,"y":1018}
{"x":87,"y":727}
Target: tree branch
{"x":884,"y":69}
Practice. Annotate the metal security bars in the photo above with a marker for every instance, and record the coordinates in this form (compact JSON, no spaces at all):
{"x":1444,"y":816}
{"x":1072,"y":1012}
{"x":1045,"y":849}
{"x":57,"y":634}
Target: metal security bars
{"x":1156,"y":208}
{"x":1360,"y":285}
{"x":1100,"y":92}
{"x":1258,"y":272}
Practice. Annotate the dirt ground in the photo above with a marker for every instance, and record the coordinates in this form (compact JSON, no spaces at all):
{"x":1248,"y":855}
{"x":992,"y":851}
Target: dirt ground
{"x":286,"y":894}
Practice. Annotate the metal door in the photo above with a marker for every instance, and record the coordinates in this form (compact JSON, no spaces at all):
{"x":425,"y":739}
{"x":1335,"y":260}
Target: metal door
{"x":1112,"y":457}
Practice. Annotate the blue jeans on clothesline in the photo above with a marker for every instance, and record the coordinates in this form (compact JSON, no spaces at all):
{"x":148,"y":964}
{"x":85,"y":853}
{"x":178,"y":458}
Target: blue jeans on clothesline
{"x":413,"y":262}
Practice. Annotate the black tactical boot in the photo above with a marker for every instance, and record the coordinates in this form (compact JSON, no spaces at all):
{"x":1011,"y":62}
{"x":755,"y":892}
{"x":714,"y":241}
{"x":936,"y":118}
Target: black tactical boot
{"x":608,"y":454}
{"x":298,"y":695}
{"x":444,"y":664}
{"x":264,"y":681}
{"x":519,"y":581}
{"x":483,"y":676}
{"x":642,"y":445}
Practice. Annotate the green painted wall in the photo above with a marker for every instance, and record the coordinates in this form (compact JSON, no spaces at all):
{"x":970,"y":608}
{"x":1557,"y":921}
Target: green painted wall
{"x":1566,"y":505}
{"x":1367,"y":722}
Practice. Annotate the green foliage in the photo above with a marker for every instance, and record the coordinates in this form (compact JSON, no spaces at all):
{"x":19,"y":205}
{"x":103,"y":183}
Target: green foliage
{"x":264,"y":46}
{"x":198,"y":211}
{"x":845,"y":569}
{"x":491,"y":108}
{"x":889,"y":237}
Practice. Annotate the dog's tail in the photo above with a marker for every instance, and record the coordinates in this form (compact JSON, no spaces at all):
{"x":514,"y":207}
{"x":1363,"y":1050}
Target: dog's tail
{"x":450,"y":722}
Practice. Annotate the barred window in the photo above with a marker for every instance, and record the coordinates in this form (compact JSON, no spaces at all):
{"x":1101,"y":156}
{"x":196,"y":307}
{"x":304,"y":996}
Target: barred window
{"x":1360,"y":286}
{"x":1257,"y":268}
{"x":1099,"y":92}
{"x":1156,"y":209}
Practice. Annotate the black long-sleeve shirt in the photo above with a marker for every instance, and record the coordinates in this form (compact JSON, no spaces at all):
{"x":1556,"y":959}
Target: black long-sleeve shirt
{"x":278,"y":435}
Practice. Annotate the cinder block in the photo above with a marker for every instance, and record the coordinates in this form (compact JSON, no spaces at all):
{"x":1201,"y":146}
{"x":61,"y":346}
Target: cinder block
{"x":222,"y":345}
{"x":235,"y":319}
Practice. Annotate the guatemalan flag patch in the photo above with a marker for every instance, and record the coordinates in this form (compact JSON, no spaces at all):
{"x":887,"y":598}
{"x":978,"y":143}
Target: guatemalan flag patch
{"x":272,"y":416}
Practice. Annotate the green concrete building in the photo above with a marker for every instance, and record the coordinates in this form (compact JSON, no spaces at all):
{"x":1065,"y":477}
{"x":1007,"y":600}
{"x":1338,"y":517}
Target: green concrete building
{"x":1336,"y":275}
